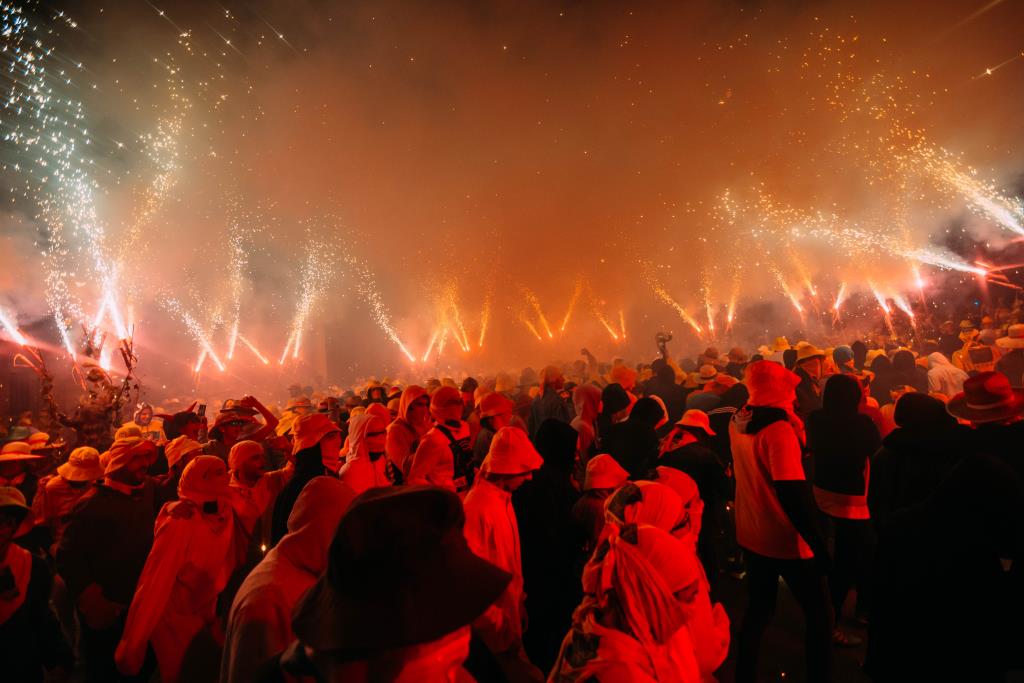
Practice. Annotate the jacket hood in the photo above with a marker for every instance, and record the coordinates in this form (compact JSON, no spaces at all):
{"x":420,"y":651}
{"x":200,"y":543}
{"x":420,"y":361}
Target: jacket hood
{"x":358,"y":426}
{"x":587,"y":400}
{"x":936,"y":359}
{"x":313,"y":521}
{"x":411,"y":393}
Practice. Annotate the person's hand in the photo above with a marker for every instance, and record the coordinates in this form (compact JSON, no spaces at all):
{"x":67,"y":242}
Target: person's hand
{"x":249,"y":402}
{"x":98,"y":612}
{"x":129,"y":662}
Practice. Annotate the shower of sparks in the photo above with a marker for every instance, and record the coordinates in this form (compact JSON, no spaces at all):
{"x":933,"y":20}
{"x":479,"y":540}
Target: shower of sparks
{"x":708,"y":308}
{"x":369,"y":293}
{"x":12,"y":330}
{"x":441,"y":342}
{"x":535,"y":303}
{"x":576,"y":291}
{"x":197,"y":332}
{"x":683,"y":313}
{"x":904,"y":305}
{"x":317,"y":271}
{"x":199,"y":362}
{"x":622,"y":322}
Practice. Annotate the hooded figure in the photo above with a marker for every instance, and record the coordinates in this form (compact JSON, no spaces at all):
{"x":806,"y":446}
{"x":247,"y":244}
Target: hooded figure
{"x":444,"y":455}
{"x":634,"y":443}
{"x":259,"y":624}
{"x":550,"y":405}
{"x":586,"y":399}
{"x":663,"y":384}
{"x":551,"y":540}
{"x":943,"y":377}
{"x":631,"y":626}
{"x":315,"y":449}
{"x":365,"y":465}
{"x":492,"y":532}
{"x":906,"y":371}
{"x":175,"y":602}
{"x":405,"y":432}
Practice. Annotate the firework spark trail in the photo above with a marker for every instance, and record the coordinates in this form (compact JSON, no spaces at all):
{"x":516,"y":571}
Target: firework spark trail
{"x":287,"y":348}
{"x":430,"y":346}
{"x":198,"y":333}
{"x":982,"y":196}
{"x":840,"y":298}
{"x":485,"y":315}
{"x":535,"y":303}
{"x":904,"y":305}
{"x":576,"y":292}
{"x":252,"y":347}
{"x":12,"y":330}
{"x":199,"y":362}
{"x":378,"y":310}
{"x":622,"y":322}
{"x":458,"y":330}
{"x":683,"y":313}
{"x":533,"y":330}
{"x":441,"y":342}
{"x":708,"y":308}
{"x":47,"y":127}
{"x":317,"y":270}
{"x":780,"y":278}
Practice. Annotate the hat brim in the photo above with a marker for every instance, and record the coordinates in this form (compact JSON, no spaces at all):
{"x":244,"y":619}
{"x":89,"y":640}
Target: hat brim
{"x":367,"y":618}
{"x":1010,"y":343}
{"x":957,"y":407}
{"x":75,"y":473}
{"x":706,"y":430}
{"x":16,"y":457}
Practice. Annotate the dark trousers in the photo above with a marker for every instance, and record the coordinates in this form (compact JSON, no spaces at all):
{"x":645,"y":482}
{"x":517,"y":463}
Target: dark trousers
{"x":854,"y":544}
{"x":811,"y":592}
{"x":97,"y":652}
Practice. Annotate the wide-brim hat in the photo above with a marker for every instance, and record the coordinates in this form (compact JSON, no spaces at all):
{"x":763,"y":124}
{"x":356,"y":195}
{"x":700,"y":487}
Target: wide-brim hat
{"x":808,"y":351}
{"x":737,"y":355}
{"x":229,"y":418}
{"x":309,"y":429}
{"x":707,"y":373}
{"x":14,"y":500}
{"x":399,"y":573}
{"x":698,"y":419}
{"x":234,"y":405}
{"x":83,"y":465}
{"x":15,"y":451}
{"x":1014,"y":338}
{"x":987,"y":397}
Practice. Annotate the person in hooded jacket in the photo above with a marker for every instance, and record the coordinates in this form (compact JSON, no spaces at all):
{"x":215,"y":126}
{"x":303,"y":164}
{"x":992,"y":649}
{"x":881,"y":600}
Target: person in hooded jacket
{"x":58,"y":495}
{"x":633,"y":443}
{"x":550,"y":405}
{"x":777,"y":520}
{"x":444,"y":455}
{"x":103,"y":550}
{"x":193,"y":556}
{"x":632,"y":624}
{"x":882,"y":382}
{"x":906,"y":371}
{"x":948,"y":516}
{"x":31,"y":643}
{"x":604,"y":475}
{"x":496,"y":411}
{"x":259,"y":624}
{"x":253,"y":490}
{"x":943,"y":377}
{"x":492,"y":532}
{"x":551,"y":541}
{"x":404,"y":434}
{"x":315,"y":449}
{"x":841,"y":440}
{"x":365,"y":464}
{"x":615,"y":406}
{"x":663,"y":384}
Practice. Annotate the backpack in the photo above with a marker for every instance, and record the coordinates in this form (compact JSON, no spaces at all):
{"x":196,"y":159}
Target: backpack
{"x":462,"y":459}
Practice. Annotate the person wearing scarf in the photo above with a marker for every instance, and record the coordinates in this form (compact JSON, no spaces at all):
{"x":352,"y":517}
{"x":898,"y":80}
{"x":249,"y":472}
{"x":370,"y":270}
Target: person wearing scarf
{"x":777,"y":519}
{"x":193,"y":556}
{"x":632,"y":624}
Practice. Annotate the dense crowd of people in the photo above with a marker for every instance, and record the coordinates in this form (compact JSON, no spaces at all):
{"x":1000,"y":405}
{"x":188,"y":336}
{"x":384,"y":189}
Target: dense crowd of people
{"x":574,"y":525}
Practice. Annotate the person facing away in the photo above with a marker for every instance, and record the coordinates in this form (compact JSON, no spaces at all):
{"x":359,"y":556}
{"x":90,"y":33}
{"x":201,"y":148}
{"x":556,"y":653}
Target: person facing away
{"x":444,"y":455}
{"x":841,"y":441}
{"x":550,"y":405}
{"x":776,"y":520}
{"x":259,"y":623}
{"x":193,"y":556}
{"x":316,"y":445}
{"x":634,"y":443}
